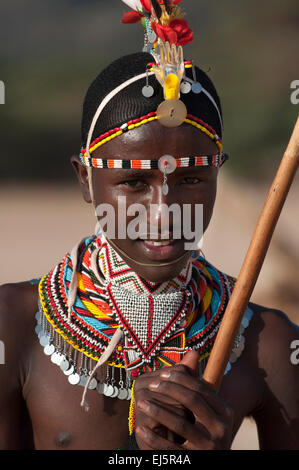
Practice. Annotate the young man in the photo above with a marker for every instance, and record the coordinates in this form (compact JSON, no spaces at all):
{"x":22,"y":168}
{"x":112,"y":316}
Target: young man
{"x":138,"y":305}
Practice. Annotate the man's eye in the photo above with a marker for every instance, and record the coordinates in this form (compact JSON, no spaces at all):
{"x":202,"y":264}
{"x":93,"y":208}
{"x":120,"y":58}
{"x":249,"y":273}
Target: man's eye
{"x":136,"y":184}
{"x":190,"y":180}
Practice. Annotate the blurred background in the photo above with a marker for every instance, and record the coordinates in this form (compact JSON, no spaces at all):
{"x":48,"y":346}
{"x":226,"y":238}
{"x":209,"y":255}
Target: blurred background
{"x":50,"y":52}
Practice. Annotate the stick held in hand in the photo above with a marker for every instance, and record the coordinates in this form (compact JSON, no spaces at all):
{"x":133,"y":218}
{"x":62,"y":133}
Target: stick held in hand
{"x":253,"y":263}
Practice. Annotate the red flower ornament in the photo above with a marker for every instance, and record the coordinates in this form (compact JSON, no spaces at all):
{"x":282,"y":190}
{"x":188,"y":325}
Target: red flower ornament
{"x":177,"y":32}
{"x":131,"y":17}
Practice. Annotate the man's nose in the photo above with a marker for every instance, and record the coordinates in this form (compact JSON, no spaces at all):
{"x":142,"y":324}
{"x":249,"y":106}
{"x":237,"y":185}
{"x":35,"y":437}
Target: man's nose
{"x":159,"y":218}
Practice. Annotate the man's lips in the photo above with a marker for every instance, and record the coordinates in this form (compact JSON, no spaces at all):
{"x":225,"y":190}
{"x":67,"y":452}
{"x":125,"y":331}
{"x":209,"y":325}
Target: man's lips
{"x":158,"y":250}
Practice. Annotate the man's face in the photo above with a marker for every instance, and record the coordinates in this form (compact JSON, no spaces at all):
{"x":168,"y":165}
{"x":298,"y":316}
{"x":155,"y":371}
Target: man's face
{"x":187,"y":186}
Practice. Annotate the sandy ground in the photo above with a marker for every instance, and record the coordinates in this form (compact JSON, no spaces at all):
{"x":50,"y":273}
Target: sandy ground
{"x":40,"y":223}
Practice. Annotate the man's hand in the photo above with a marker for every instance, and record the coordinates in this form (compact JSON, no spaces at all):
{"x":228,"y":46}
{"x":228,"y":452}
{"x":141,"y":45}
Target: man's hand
{"x":175,"y":399}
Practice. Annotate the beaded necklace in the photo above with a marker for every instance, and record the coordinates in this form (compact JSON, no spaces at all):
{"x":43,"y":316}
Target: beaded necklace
{"x":97,"y":313}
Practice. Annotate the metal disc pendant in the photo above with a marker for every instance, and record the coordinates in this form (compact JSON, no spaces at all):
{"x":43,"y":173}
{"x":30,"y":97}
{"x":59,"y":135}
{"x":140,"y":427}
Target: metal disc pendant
{"x":44,"y":340}
{"x":196,"y":88}
{"x":93,"y":384}
{"x":64,"y":364}
{"x":49,"y":349}
{"x":129,"y":394}
{"x":83,"y":380}
{"x":37,"y":316}
{"x":74,"y":379}
{"x":171,"y":113}
{"x":165,"y":189}
{"x":115,"y":392}
{"x":167,"y":164}
{"x":38,"y":329}
{"x":186,"y":87}
{"x":56,"y":358}
{"x":108,"y":390}
{"x":69,"y":371}
{"x":122,"y":394}
{"x":148,"y":91}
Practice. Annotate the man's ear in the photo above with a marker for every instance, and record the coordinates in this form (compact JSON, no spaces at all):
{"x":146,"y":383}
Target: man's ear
{"x":83,"y":177}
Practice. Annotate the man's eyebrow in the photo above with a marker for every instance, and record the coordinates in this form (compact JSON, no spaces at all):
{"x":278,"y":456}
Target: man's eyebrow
{"x":132,"y":173}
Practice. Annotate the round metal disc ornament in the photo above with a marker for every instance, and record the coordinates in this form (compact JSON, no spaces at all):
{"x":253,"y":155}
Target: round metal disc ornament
{"x":38,"y":329}
{"x":93,"y":384}
{"x":171,"y":113}
{"x":196,"y":88}
{"x":129,"y":394}
{"x":115,"y":392}
{"x":64,"y":364}
{"x":167,"y":164}
{"x":69,"y":371}
{"x":122,"y":394}
{"x":108,"y":390}
{"x":74,"y":379}
{"x":56,"y":358}
{"x":44,"y":340}
{"x":185,"y":87}
{"x":49,"y":349}
{"x":83,"y":380}
{"x":148,"y":91}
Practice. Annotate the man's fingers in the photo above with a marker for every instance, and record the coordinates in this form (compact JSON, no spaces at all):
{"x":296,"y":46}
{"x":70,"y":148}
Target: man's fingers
{"x":190,"y":360}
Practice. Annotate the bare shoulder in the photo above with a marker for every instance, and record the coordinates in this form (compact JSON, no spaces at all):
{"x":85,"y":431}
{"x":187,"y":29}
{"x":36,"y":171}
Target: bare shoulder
{"x":18,"y":305}
{"x":274,"y":351}
{"x":275,"y":334}
{"x":18,"y":301}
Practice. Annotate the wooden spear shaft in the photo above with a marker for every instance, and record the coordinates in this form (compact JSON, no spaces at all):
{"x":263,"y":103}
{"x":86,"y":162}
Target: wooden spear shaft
{"x":252,"y":263}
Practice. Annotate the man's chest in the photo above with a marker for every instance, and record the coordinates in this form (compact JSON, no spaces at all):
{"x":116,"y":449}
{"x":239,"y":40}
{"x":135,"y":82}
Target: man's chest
{"x":59,"y":421}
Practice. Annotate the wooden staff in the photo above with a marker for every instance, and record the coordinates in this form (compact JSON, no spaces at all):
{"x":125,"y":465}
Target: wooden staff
{"x":252,"y":264}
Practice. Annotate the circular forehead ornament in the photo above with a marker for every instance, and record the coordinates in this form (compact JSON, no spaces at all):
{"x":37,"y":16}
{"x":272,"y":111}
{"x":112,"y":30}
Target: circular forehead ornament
{"x":167,"y":164}
{"x":171,"y":113}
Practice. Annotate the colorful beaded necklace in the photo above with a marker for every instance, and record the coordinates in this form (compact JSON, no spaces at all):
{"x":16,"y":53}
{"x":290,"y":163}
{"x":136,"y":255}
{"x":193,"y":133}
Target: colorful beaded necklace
{"x":97,"y":312}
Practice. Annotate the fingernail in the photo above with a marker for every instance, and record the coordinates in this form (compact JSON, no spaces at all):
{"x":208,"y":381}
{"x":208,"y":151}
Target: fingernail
{"x":143,"y":405}
{"x":165,"y":374}
{"x":154,"y":385}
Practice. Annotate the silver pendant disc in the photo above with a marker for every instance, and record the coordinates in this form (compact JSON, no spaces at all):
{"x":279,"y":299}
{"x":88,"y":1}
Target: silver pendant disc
{"x":93,"y":384}
{"x":108,"y":390}
{"x":38,"y":329}
{"x":83,"y":380}
{"x":49,"y":349}
{"x":56,"y":358}
{"x":64,"y":364}
{"x":74,"y":379}
{"x":186,"y":87}
{"x":44,"y":340}
{"x":123,"y":394}
{"x":148,"y":91}
{"x":196,"y":88}
{"x":115,"y":392}
{"x":69,"y":371}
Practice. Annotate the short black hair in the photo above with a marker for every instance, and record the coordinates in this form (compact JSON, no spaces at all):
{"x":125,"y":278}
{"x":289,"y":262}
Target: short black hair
{"x":131,"y":104}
